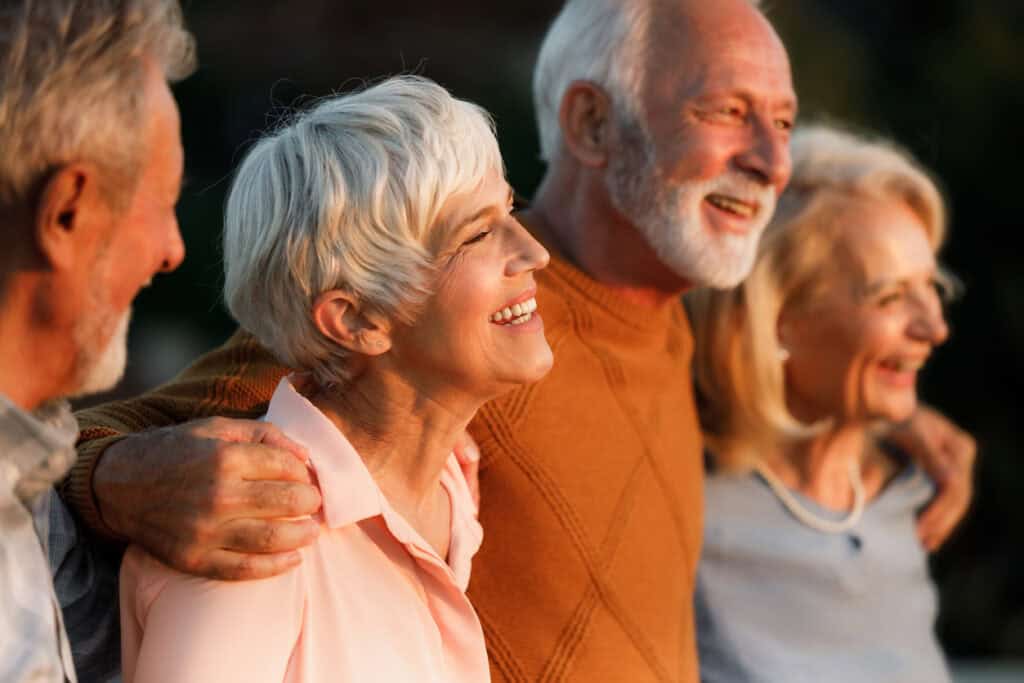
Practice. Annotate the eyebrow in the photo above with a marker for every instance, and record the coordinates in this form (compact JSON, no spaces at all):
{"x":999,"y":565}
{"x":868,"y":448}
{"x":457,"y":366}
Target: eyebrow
{"x":487,"y":211}
{"x":904,"y":283}
{"x":788,"y":104}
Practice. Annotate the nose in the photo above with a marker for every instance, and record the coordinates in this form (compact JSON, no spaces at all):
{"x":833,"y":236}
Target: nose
{"x":174,"y":249}
{"x":929,"y":323}
{"x":766,"y":156}
{"x":527,"y":253}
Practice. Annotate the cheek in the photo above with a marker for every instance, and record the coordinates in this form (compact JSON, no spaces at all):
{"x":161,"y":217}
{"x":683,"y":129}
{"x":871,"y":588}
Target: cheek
{"x":830,"y":353}
{"x":701,"y":153}
{"x":467,"y":295}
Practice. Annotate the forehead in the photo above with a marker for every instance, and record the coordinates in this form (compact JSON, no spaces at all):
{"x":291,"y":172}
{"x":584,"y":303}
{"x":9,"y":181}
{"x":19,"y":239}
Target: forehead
{"x":490,"y":195}
{"x":883,"y":239}
{"x":727,"y":48}
{"x":162,"y":129}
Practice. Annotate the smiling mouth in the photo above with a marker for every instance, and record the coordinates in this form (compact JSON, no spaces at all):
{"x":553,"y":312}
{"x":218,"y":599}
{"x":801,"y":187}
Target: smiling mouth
{"x":732,"y":205}
{"x":516,"y":314}
{"x":902,"y":364}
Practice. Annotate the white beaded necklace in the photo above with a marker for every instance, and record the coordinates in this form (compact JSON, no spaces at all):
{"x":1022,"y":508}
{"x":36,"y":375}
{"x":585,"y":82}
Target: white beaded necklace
{"x":827,"y":526}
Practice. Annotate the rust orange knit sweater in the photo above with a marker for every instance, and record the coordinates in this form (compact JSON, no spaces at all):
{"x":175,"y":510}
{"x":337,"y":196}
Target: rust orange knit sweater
{"x":591,"y":486}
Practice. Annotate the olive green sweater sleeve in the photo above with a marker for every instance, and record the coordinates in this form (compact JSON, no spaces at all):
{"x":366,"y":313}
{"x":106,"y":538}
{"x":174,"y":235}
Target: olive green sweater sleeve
{"x":236,"y":379}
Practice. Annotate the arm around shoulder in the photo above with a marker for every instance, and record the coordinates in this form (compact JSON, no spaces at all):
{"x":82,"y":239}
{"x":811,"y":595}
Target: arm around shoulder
{"x":234,"y":380}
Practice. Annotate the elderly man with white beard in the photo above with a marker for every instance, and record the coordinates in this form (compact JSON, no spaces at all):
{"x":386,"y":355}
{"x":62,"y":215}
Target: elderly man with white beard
{"x":659,"y":180}
{"x":90,"y":168}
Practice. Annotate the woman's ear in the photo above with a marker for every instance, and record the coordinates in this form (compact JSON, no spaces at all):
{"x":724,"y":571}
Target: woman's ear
{"x":338,"y":316}
{"x":585,"y":117}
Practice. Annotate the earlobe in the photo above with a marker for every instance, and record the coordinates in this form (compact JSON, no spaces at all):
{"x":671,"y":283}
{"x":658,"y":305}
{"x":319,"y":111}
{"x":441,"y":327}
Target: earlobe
{"x":584,"y":117}
{"x":338,"y":317}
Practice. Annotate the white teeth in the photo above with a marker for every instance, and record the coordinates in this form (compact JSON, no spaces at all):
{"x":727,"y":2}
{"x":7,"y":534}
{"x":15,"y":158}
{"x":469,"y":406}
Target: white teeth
{"x":731,"y":205}
{"x":904,"y":365}
{"x":517,"y":314}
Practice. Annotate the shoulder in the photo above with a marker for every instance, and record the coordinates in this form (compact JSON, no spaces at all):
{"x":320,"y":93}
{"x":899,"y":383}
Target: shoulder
{"x":146,"y":583}
{"x":177,"y":627}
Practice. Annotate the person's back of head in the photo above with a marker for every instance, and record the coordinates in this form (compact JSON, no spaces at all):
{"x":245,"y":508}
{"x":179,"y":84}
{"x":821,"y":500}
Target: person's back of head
{"x":90,"y":166}
{"x":71,"y":79}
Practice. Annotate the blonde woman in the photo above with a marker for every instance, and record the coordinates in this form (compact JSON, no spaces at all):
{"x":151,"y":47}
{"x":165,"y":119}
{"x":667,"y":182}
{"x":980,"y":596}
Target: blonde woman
{"x":812,"y":570}
{"x":368,"y":243}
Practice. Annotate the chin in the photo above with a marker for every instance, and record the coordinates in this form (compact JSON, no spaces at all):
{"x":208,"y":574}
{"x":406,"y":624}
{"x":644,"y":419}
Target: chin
{"x":101,"y":370}
{"x":529,"y":369}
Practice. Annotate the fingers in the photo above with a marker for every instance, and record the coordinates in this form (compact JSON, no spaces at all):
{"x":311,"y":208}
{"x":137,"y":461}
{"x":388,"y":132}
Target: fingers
{"x":257,"y":536}
{"x":253,"y":462}
{"x":940,"y":518}
{"x":238,"y":550}
{"x":248,"y":431}
{"x":270,"y":435}
{"x":267,"y":500}
{"x":466,"y":450}
{"x":953,"y":474}
{"x":468,"y":455}
{"x":226,"y":565}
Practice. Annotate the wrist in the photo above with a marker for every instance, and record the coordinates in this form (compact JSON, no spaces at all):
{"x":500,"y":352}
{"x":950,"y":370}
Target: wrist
{"x":81,"y":490}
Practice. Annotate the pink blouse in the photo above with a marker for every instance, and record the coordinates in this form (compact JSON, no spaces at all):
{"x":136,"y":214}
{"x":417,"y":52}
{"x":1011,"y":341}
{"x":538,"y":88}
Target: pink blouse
{"x":371,"y":601}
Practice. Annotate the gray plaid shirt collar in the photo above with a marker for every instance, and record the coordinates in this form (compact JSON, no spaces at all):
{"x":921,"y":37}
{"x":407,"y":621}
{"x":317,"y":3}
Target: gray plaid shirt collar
{"x":36,"y":450}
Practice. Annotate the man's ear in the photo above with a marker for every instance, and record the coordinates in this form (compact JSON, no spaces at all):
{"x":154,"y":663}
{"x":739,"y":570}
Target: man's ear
{"x":585,"y":117}
{"x":69,"y":207}
{"x":338,"y":316}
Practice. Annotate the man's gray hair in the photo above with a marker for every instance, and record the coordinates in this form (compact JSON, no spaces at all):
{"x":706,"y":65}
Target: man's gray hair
{"x":348,"y":195}
{"x":607,"y":42}
{"x":71,"y":86}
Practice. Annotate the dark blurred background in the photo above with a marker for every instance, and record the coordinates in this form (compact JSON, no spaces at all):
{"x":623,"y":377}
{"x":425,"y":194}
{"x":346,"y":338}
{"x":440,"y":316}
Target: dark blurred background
{"x":945,"y":78}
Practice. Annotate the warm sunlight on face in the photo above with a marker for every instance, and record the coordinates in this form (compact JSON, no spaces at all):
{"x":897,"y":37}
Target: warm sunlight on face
{"x":480,"y":331}
{"x":856,"y":350}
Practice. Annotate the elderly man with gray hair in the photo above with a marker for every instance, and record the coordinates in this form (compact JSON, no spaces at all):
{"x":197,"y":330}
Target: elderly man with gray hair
{"x":659,"y":180}
{"x":90,"y":168}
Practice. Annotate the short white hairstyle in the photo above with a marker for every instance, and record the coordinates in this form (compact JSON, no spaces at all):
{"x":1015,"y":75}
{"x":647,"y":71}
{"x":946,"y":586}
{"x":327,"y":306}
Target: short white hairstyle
{"x":607,"y":42}
{"x":71,"y":86}
{"x":348,"y":195}
{"x":739,"y":375}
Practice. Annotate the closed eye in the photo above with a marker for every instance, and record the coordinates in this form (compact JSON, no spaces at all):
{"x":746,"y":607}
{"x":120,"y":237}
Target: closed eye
{"x":890,"y":298}
{"x":479,"y":237}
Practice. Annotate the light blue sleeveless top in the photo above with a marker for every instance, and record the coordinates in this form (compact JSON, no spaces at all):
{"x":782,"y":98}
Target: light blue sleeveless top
{"x":779,"y":602}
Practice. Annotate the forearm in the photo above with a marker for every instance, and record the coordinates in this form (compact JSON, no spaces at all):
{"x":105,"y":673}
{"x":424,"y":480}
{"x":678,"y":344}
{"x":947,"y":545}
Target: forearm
{"x":234,"y":380}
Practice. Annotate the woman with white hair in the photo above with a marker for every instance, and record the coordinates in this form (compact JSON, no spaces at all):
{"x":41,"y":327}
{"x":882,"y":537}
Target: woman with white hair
{"x":368,"y":243}
{"x":811,"y":569}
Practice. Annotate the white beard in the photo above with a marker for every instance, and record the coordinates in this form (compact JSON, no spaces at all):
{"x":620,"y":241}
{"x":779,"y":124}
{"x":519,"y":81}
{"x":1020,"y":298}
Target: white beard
{"x":670,"y":216}
{"x":99,"y":370}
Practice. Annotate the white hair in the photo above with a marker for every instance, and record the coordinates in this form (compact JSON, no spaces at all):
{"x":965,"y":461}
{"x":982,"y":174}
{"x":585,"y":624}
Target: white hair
{"x":607,"y":42}
{"x":348,"y":195}
{"x":71,"y":86}
{"x":604,"y":41}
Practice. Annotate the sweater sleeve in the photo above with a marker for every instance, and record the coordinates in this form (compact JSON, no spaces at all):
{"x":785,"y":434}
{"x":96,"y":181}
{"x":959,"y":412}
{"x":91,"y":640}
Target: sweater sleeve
{"x":236,"y":380}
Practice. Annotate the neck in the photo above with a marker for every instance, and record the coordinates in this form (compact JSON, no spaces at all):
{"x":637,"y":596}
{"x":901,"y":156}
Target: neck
{"x":36,"y":360}
{"x":573,"y":211}
{"x":404,"y":435}
{"x":820,"y":467}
